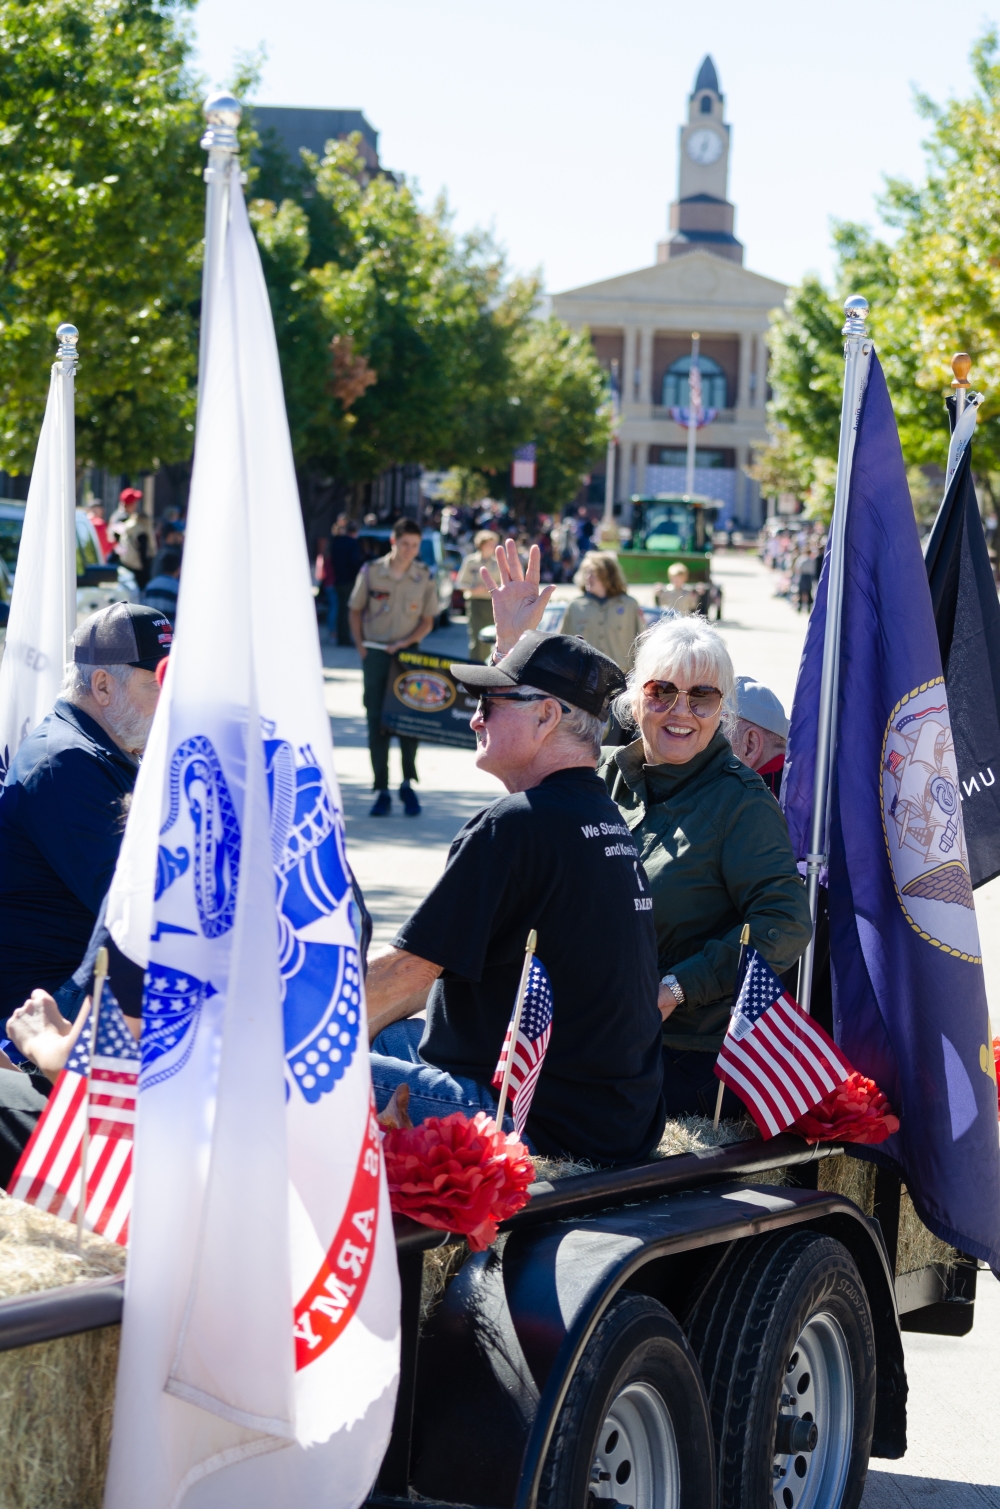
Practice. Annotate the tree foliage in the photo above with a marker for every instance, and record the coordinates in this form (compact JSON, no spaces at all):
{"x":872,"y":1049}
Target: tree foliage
{"x":101,"y":208}
{"x":403,"y":342}
{"x":933,"y":291}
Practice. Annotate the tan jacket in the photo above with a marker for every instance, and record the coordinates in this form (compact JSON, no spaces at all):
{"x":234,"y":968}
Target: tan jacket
{"x":126,"y":529}
{"x":610,"y":624}
{"x":391,"y":609}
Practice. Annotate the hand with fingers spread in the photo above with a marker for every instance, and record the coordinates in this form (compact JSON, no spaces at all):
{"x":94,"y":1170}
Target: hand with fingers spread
{"x":519,"y":601}
{"x":39,"y":1030}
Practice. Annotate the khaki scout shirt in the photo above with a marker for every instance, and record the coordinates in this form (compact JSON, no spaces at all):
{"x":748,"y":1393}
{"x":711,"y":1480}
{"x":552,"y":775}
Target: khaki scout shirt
{"x":469,"y":581}
{"x":391,"y":609}
{"x":610,"y":624}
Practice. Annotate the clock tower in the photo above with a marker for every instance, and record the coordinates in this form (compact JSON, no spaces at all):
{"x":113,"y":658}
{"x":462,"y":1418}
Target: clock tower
{"x":701,"y":217}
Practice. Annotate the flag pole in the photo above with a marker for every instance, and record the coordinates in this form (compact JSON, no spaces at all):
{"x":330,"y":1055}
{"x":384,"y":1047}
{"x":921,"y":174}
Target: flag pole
{"x":857,"y":359}
{"x":66,"y":359}
{"x":100,"y":975}
{"x":515,"y":1026}
{"x":744,"y":941}
{"x":223,"y":112}
{"x":692,"y":439}
{"x":609,"y":535}
{"x":965,"y":420}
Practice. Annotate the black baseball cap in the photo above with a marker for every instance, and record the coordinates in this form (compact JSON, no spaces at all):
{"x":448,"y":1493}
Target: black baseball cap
{"x":567,"y":667}
{"x":123,"y":634}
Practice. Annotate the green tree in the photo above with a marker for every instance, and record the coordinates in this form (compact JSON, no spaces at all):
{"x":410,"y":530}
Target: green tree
{"x":402,"y":342}
{"x":101,"y":209}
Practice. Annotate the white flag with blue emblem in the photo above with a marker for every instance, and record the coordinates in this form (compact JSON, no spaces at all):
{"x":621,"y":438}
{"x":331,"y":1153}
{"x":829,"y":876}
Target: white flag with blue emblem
{"x":260,"y":1341}
{"x":43,"y":601}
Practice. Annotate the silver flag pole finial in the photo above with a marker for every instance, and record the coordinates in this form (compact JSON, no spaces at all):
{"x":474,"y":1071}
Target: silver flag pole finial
{"x":856,"y":313}
{"x":66,"y":353}
{"x":223,"y":112}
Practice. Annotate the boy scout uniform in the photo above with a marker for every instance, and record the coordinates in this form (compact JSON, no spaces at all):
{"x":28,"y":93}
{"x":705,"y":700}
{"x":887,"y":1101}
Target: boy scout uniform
{"x":478,"y":602}
{"x":390,"y":609}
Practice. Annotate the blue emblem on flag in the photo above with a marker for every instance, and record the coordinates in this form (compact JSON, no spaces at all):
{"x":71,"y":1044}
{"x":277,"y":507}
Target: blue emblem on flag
{"x":195,"y":765}
{"x":321,"y":981}
{"x":171,"y":1005}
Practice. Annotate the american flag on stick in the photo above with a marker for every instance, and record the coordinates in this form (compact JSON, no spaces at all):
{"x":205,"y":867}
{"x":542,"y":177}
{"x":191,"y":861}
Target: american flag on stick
{"x":48,"y":1174}
{"x":528,"y":1034}
{"x":776,"y":1058}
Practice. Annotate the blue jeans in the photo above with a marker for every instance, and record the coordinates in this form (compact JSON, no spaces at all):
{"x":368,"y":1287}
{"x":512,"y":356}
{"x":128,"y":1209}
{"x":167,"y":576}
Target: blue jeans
{"x":395,"y":1059}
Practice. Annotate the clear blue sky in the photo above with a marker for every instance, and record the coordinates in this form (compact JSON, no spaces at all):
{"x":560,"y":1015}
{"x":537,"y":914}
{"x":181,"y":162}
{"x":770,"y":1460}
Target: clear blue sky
{"x":554,"y":122}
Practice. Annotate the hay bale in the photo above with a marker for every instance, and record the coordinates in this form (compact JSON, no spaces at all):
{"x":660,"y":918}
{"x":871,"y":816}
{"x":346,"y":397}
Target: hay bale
{"x":916,"y":1247}
{"x":57,"y":1397}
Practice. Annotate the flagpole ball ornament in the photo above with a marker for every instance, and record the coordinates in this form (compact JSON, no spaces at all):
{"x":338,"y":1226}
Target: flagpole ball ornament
{"x":961,"y":365}
{"x":856,"y":312}
{"x":67,"y":336}
{"x":223,"y":112}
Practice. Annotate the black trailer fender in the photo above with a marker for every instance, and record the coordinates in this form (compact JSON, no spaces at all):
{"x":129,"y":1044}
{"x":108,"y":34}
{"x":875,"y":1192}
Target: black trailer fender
{"x":499,"y":1355}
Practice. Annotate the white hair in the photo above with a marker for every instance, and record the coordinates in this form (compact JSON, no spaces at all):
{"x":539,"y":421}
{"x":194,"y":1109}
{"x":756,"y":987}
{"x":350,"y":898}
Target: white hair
{"x":579,"y":725}
{"x":77,"y":678}
{"x":685,"y":647}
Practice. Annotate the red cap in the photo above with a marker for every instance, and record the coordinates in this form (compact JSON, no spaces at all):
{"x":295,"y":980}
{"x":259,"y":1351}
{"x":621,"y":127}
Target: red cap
{"x":130,"y":495}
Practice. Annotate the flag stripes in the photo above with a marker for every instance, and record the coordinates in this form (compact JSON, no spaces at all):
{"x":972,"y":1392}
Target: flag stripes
{"x":528,"y":1052}
{"x":776,"y":1058}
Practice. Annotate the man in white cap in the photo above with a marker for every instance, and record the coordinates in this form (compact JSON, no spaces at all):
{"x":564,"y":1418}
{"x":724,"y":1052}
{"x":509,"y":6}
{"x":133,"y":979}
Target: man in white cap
{"x":760,"y":731}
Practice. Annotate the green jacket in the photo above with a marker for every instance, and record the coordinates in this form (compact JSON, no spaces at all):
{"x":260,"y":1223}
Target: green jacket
{"x":714,"y":845}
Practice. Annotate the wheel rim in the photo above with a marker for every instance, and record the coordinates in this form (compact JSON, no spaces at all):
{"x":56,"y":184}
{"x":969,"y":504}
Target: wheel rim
{"x":818,"y":1385}
{"x":636,"y":1461}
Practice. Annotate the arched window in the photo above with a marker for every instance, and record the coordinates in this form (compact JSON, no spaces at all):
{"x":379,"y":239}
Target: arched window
{"x":675,"y":384}
{"x":706,"y":104}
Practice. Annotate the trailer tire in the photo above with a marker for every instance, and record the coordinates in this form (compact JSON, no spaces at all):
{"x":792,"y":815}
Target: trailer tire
{"x":785,"y":1341}
{"x":636,"y":1411}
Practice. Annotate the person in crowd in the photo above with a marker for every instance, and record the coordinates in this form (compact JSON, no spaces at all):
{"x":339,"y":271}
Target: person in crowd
{"x":678,"y":595}
{"x":758,"y":731}
{"x":393,"y":604}
{"x":62,"y":801}
{"x":605,"y":616}
{"x":804,"y":580}
{"x":713,"y":842}
{"x":132,"y":534}
{"x":164,"y":584}
{"x":343,"y":560}
{"x":477,"y":599}
{"x":95,"y":513}
{"x":584,"y":530}
{"x":553,"y":855}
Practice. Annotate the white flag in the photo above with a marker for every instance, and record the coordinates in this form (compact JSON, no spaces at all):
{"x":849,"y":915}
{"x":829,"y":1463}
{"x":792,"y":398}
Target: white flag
{"x":260,"y":1340}
{"x":43,"y":604}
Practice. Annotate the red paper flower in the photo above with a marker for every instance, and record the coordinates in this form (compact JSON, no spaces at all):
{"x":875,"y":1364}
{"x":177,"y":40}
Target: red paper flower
{"x":856,"y":1111}
{"x":457,"y":1175}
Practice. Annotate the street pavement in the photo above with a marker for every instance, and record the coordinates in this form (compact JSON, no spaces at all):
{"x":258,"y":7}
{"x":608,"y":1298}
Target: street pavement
{"x":953,"y":1461}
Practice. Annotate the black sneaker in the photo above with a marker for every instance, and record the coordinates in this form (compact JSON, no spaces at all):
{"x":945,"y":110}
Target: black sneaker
{"x":382,"y":806}
{"x":408,"y":797}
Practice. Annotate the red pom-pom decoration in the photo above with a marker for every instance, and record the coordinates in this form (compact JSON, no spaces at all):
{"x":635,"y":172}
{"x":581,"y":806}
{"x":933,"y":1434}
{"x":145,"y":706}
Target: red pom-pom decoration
{"x":457,"y":1175}
{"x":855,"y":1111}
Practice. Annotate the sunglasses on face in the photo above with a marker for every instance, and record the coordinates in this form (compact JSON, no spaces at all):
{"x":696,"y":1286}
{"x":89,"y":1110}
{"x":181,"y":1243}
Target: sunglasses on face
{"x":704,"y":701}
{"x":483,"y":705}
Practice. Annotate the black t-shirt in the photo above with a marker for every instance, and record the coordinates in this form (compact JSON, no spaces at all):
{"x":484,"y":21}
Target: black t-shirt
{"x":559,"y":859}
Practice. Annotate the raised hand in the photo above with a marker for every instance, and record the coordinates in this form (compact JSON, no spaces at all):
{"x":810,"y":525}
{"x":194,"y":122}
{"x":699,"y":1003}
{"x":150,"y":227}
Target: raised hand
{"x":41,"y":1032}
{"x":519,"y":601}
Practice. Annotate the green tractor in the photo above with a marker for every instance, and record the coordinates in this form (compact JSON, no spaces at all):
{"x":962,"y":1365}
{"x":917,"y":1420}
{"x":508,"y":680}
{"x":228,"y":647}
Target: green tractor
{"x":666,"y":528}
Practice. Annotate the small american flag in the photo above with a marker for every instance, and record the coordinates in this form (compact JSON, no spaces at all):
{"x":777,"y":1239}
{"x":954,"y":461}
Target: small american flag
{"x":529,"y":1046}
{"x":777,"y":1059}
{"x":48,"y":1174}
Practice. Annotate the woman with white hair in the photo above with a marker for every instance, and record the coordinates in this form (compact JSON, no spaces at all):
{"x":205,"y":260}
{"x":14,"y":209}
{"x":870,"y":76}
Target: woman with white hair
{"x":712,"y":841}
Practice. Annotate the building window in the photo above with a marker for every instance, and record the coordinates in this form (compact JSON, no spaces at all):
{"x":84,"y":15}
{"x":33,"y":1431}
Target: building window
{"x":706,"y":104}
{"x":675,"y":455}
{"x":675,"y":384}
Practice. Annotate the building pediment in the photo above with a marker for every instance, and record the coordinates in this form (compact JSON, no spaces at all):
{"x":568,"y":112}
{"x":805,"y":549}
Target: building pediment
{"x":699,"y":279}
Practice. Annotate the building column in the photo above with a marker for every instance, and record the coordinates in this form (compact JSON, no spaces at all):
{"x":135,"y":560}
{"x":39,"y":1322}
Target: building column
{"x":628,"y":364}
{"x":743,"y":398}
{"x":641,"y":457}
{"x":740,"y":510}
{"x":762,"y":359}
{"x":646,"y":369}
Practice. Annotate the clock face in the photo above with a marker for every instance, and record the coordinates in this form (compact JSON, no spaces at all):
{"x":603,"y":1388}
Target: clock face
{"x":704,"y":146}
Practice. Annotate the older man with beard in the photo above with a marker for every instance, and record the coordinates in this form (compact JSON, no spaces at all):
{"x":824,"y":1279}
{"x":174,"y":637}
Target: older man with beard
{"x":62,"y":805}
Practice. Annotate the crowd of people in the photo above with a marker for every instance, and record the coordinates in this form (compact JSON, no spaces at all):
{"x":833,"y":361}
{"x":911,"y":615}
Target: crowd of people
{"x":152,"y":552}
{"x":796,"y":554}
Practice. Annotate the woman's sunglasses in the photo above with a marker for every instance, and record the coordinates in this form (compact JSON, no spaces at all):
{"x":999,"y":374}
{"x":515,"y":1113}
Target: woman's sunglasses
{"x":704,"y":701}
{"x":483,"y":705}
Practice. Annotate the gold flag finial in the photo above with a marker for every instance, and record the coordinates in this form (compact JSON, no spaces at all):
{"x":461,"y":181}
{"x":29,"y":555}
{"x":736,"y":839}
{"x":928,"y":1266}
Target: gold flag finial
{"x":745,"y":935}
{"x":960,"y":365}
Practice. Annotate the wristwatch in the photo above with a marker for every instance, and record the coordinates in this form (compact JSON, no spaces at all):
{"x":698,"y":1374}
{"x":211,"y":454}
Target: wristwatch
{"x":673,"y":985}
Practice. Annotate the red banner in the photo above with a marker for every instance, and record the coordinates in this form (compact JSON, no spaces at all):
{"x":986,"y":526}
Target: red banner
{"x":336,"y":1291}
